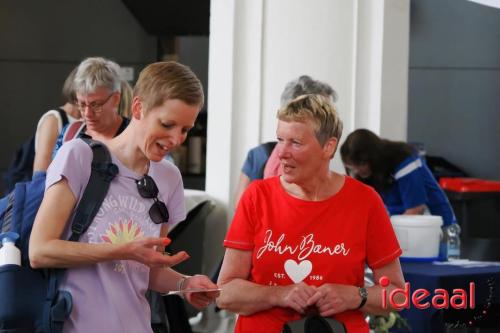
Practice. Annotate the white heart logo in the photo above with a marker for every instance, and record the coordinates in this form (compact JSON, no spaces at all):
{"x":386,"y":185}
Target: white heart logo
{"x":298,"y":272}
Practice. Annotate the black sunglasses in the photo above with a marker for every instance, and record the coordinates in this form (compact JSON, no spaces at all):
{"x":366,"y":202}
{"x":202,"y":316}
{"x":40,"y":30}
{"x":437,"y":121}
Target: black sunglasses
{"x":147,"y":189}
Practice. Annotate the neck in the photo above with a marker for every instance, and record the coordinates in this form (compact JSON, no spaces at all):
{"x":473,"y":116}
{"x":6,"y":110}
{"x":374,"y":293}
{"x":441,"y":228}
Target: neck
{"x":109,"y":129}
{"x":130,"y":155}
{"x":316,"y":189}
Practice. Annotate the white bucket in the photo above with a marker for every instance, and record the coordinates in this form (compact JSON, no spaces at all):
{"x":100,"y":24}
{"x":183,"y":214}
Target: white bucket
{"x":418,"y":235}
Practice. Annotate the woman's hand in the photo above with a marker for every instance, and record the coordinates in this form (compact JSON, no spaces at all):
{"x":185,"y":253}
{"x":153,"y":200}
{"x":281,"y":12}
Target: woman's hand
{"x":200,"y":299}
{"x":145,"y":251}
{"x":295,"y":296}
{"x":332,"y":298}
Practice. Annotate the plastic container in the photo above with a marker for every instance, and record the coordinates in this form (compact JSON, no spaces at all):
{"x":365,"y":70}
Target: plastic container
{"x":9,"y":253}
{"x":419,"y":236}
{"x":476,"y":203}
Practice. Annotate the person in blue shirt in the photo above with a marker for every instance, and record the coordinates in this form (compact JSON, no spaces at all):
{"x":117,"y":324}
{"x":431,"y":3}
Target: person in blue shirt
{"x":398,"y":174}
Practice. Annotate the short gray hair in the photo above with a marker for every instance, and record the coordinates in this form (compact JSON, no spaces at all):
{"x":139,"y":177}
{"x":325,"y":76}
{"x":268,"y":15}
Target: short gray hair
{"x":305,"y":85}
{"x":97,"y":72}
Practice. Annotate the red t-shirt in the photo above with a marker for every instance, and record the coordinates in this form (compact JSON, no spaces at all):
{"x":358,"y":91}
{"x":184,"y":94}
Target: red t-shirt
{"x":316,"y":242}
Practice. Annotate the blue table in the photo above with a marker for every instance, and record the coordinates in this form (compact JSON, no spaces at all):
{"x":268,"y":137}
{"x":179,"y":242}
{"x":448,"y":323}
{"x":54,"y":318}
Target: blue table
{"x":432,"y":276}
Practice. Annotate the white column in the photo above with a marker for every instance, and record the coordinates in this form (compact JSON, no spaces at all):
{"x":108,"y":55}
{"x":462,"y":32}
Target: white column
{"x":360,"y":47}
{"x":382,"y":67}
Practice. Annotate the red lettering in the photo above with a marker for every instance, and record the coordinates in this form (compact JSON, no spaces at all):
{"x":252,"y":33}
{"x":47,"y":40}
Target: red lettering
{"x":440,"y":300}
{"x":419,"y":295}
{"x":459,"y":299}
{"x":384,"y":298}
{"x":406,"y":294}
{"x":443,"y":297}
{"x":472,"y":295}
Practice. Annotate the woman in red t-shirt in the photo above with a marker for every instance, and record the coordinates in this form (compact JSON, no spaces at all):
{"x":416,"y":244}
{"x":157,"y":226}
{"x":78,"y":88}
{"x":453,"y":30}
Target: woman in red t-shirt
{"x":299,"y":242}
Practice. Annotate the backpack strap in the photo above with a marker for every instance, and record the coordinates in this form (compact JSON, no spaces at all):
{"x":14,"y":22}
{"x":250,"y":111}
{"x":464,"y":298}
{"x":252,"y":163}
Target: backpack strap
{"x":64,"y":117}
{"x":73,"y":130}
{"x":58,"y":303}
{"x":102,"y":173}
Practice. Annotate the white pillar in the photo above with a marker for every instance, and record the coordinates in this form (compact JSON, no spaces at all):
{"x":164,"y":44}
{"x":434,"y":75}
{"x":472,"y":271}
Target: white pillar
{"x":360,"y":47}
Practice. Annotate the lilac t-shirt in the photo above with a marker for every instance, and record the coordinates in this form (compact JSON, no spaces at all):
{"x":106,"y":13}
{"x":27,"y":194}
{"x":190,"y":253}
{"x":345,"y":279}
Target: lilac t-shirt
{"x":110,"y":296}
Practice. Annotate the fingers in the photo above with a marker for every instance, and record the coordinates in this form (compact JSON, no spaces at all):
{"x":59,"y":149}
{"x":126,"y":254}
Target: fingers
{"x":156,"y":241}
{"x":174,"y":259}
{"x":201,"y":299}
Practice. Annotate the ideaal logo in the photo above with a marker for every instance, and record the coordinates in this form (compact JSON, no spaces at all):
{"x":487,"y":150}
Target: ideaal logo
{"x":440,"y":299}
{"x":460,"y":299}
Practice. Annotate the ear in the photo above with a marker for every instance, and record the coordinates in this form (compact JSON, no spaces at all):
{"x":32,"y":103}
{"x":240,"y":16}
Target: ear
{"x":330,"y":147}
{"x":137,"y":108}
{"x":116,"y":99}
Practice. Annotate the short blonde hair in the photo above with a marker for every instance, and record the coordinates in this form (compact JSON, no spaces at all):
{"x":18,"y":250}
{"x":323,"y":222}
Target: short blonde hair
{"x":161,"y":81}
{"x":319,"y":110}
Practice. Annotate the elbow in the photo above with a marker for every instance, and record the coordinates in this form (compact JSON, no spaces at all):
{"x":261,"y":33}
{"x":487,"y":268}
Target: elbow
{"x":37,"y":259}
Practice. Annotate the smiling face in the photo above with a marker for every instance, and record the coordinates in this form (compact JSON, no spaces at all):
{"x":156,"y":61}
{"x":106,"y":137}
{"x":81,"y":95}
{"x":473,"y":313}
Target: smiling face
{"x":300,"y":153}
{"x":165,"y":127}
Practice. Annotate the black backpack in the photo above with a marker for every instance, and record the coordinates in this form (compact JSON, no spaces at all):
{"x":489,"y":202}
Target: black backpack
{"x":314,"y":324}
{"x":30,"y":299}
{"x":21,"y":167}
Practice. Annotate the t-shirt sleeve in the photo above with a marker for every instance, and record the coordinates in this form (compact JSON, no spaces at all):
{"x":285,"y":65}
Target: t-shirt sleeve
{"x":176,"y":205}
{"x":254,"y":163}
{"x":411,"y":186}
{"x":73,"y":162}
{"x":242,"y":229}
{"x":382,"y":246}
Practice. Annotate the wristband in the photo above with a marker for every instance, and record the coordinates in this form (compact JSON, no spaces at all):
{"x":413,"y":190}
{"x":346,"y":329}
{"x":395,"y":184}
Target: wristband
{"x":364,"y":296}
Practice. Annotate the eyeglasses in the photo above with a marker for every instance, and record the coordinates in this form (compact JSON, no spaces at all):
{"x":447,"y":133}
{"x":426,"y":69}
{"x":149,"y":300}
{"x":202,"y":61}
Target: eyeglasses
{"x":147,"y":189}
{"x":95,"y":107}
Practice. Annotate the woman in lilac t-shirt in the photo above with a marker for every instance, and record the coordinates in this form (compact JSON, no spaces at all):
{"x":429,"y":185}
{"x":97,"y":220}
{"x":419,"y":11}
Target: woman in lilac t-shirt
{"x":120,"y":256}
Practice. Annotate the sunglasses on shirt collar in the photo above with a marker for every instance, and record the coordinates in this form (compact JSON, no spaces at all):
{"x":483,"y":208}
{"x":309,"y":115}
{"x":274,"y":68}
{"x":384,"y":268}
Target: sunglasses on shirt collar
{"x":147,"y":189}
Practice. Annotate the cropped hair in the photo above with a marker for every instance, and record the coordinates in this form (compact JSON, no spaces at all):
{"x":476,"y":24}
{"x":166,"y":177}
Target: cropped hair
{"x":97,"y":72}
{"x":317,"y":108}
{"x":166,"y":80}
{"x":68,"y":94}
{"x":304,"y":85}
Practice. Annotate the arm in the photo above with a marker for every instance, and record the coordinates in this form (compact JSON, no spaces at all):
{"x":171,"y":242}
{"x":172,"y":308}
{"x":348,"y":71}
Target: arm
{"x":243,"y":183}
{"x":48,"y":250}
{"x":417,"y":210}
{"x":244,"y":297}
{"x":164,"y":279}
{"x":335,"y":298}
{"x":46,"y":140}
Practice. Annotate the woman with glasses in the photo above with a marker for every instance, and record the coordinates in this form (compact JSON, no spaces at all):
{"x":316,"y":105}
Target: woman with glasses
{"x":298,"y":243}
{"x":98,"y":92}
{"x":121,"y":256}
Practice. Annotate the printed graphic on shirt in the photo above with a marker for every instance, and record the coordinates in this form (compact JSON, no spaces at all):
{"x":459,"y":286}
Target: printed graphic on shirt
{"x":299,"y":267}
{"x":121,"y":219}
{"x":122,"y":232}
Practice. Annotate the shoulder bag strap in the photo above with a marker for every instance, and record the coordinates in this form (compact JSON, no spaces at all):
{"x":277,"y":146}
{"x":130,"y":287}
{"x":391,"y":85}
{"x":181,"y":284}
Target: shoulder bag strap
{"x":64,"y":116}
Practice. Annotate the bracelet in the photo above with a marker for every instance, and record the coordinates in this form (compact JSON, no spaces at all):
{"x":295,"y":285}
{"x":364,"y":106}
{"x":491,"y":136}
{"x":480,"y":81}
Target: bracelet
{"x":180,"y":282}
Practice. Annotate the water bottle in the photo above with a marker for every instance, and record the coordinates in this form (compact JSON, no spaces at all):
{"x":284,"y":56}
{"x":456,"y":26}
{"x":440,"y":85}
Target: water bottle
{"x":453,"y":241}
{"x":9,"y":253}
